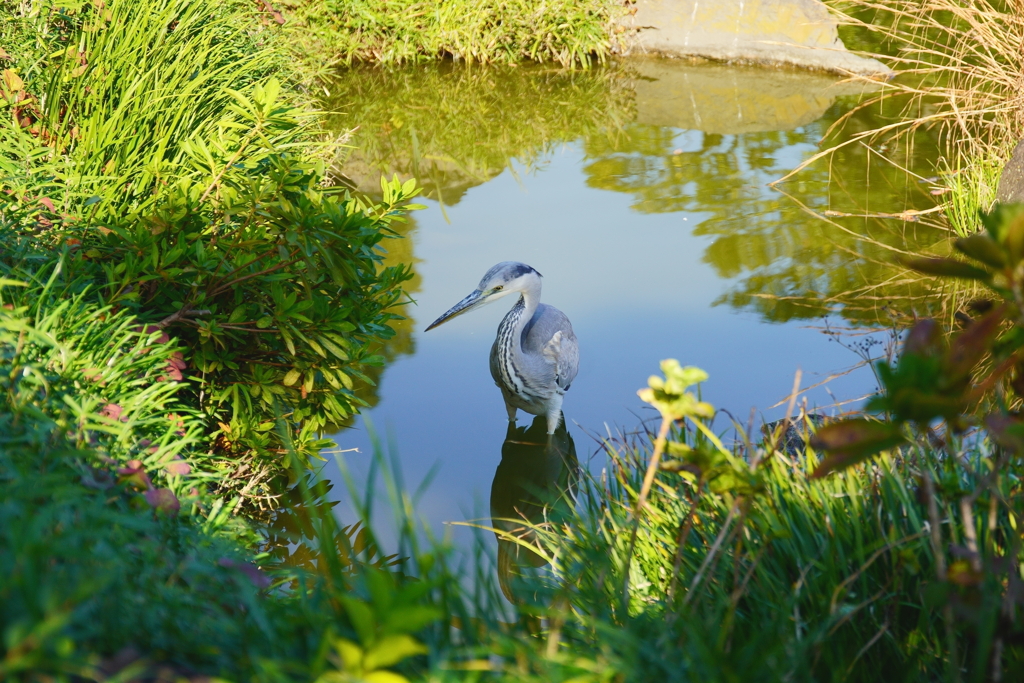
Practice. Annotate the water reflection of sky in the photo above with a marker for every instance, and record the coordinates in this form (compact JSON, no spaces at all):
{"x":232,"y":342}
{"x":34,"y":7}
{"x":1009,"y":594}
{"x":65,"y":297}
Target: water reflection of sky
{"x":656,"y":242}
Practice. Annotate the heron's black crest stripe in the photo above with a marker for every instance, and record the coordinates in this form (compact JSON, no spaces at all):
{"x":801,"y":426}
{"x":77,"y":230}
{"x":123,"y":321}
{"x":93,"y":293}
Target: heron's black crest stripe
{"x":521,"y":269}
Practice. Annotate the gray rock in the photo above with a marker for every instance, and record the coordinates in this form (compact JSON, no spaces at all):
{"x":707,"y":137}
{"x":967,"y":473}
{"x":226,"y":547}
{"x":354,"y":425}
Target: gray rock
{"x":800,"y":33}
{"x":1011,"y":182}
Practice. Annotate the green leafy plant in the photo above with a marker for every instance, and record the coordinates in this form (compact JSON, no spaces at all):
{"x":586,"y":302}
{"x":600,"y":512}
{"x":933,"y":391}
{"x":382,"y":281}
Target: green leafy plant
{"x":211,"y":221}
{"x":938,"y":399}
{"x":117,"y":560}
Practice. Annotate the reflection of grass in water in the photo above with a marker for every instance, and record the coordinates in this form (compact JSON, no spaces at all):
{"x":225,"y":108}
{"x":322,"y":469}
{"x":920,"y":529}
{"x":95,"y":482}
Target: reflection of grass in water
{"x":455,"y":126}
{"x":960,"y":69}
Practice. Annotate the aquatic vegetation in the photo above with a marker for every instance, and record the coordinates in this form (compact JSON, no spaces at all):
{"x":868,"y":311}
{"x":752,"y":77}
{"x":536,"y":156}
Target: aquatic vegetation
{"x":971,"y":192}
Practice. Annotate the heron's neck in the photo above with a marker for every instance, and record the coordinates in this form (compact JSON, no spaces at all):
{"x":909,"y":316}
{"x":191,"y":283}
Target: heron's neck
{"x":531,"y":299}
{"x":527,"y":306}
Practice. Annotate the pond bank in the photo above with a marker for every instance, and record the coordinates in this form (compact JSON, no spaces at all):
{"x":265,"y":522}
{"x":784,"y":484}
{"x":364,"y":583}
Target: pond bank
{"x":789,"y":33}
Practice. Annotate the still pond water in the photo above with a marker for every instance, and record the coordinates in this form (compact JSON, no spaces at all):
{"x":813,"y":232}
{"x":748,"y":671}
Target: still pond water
{"x":641,"y":194}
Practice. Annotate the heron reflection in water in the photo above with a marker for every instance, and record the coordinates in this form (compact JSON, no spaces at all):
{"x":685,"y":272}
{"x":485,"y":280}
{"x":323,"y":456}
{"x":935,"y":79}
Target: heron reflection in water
{"x":535,"y":482}
{"x":535,"y":356}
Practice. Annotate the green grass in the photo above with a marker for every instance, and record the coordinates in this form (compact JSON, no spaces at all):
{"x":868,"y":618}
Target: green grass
{"x":971,"y":191}
{"x":116,"y":95}
{"x":809,"y":573}
{"x":568,"y":32}
{"x":960,"y":67}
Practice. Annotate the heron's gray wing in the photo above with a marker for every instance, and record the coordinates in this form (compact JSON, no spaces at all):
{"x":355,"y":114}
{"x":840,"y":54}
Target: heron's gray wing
{"x":495,"y":371}
{"x":549,"y":335}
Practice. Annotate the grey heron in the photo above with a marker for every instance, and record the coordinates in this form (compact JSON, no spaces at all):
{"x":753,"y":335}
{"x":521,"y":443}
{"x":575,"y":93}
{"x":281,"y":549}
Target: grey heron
{"x":535,"y":356}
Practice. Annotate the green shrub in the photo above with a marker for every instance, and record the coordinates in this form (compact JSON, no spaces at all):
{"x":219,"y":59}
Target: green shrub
{"x":192,"y":196}
{"x":110,"y":549}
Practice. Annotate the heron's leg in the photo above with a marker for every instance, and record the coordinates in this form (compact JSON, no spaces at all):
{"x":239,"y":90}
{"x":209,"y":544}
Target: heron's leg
{"x":507,"y":397}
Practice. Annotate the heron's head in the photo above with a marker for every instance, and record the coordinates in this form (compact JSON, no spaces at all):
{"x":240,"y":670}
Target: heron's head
{"x":503,"y":279}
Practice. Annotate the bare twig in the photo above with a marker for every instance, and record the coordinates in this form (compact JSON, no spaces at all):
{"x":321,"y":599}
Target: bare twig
{"x":182,"y":314}
{"x":265,"y":271}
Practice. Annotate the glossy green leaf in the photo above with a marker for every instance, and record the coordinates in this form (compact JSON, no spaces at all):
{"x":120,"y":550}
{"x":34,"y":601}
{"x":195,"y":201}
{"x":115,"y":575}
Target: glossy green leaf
{"x":390,"y":650}
{"x":361,"y":616}
{"x":982,"y":248}
{"x":849,"y":442}
{"x":946,"y":267}
{"x":351,"y":654}
{"x":410,"y":618}
{"x":384,"y":677}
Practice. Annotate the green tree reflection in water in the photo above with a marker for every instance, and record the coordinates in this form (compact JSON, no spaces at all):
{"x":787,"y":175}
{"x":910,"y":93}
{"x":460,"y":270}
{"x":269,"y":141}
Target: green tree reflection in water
{"x":700,"y":139}
{"x":788,"y":263}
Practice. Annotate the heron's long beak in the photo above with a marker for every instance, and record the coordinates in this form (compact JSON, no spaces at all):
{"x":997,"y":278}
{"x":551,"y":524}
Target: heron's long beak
{"x":472,"y":301}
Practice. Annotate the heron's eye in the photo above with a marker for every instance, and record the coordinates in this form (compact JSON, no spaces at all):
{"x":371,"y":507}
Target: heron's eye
{"x":498,"y":288}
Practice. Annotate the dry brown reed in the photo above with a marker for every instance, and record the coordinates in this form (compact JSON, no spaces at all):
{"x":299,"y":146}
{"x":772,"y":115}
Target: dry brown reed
{"x":959,"y":73}
{"x":960,"y":66}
